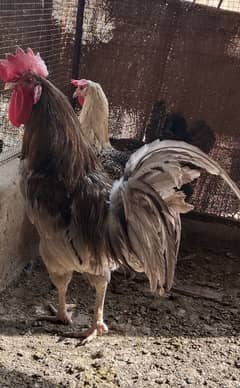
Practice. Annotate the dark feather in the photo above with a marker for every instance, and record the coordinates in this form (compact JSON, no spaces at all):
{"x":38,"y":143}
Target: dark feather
{"x":126,"y":144}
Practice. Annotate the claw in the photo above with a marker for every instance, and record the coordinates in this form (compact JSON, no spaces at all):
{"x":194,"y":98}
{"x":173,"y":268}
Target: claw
{"x":98,"y":329}
{"x":63,"y":320}
{"x":88,"y":338}
{"x":58,"y":318}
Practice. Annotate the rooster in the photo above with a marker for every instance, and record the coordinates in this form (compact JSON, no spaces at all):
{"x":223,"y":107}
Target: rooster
{"x":86,"y":223}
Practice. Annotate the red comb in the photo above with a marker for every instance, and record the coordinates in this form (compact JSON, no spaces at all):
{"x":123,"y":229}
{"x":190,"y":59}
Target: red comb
{"x":15,"y":65}
{"x":79,"y":82}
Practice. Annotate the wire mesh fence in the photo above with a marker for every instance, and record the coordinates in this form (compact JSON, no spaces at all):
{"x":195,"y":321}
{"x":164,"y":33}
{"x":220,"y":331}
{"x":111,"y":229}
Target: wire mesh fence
{"x":211,"y":195}
{"x":47,"y":26}
{"x":230,"y":5}
{"x":185,"y":52}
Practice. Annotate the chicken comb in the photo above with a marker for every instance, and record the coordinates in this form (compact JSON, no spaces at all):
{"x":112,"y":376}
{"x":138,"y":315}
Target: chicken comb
{"x":15,"y":65}
{"x":79,"y":82}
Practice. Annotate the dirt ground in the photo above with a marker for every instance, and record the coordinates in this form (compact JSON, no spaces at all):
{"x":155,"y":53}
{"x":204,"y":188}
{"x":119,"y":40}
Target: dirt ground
{"x":176,"y":341}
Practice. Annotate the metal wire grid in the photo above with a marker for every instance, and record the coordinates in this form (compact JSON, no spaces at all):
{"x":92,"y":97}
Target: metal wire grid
{"x":211,"y":194}
{"x":144,"y":51}
{"x":230,"y":5}
{"x":10,"y":136}
{"x":47,"y":26}
{"x":187,"y":54}
{"x":140,"y":52}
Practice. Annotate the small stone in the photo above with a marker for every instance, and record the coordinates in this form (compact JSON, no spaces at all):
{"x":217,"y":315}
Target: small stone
{"x":97,"y":365}
{"x":35,"y":376}
{"x":67,"y":342}
{"x":237,"y":363}
{"x":37,"y":357}
{"x":181,"y":312}
{"x":69,"y":370}
{"x":159,"y":380}
{"x":188,"y":380}
{"x":80,"y":368}
{"x":98,"y":354}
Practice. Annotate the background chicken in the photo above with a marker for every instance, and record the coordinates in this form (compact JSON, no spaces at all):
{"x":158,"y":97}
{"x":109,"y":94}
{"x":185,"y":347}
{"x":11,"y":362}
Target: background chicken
{"x":113,"y":153}
{"x":95,"y":126}
{"x":86,"y":224}
{"x":165,"y":125}
{"x":93,"y":115}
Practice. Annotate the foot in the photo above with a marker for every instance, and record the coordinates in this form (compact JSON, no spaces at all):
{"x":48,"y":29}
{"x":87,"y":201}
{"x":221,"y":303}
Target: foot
{"x":99,"y":328}
{"x":58,"y":317}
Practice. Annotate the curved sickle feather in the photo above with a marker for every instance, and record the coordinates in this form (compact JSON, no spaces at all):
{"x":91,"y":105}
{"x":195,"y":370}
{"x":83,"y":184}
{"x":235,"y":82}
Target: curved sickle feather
{"x":144,"y":223}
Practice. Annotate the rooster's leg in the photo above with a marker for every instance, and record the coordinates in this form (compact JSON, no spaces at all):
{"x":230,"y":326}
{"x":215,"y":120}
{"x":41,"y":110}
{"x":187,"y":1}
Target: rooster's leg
{"x":98,"y":327}
{"x":61,"y":282}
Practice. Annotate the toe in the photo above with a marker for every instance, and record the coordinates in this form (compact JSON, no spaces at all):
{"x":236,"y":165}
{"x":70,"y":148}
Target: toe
{"x":90,"y":337}
{"x":66,"y":319}
{"x":102,"y":328}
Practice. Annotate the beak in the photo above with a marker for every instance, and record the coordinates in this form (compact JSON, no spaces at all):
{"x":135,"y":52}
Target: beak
{"x":9,"y":85}
{"x":75,"y":94}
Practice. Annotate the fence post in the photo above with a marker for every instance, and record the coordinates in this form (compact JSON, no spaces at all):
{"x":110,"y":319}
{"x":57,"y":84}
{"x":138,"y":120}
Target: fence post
{"x":78,"y":41}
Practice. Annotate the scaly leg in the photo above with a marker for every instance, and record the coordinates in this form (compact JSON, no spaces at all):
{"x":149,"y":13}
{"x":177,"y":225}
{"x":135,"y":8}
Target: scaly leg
{"x":61,"y":282}
{"x":98,"y":327}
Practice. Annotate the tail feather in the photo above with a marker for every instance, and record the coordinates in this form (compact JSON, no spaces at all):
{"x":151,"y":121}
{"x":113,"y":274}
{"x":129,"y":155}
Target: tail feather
{"x":169,"y":152}
{"x":144,"y":226}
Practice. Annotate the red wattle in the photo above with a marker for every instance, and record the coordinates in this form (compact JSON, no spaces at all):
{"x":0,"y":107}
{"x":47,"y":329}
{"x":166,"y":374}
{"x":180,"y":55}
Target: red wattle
{"x":81,"y":100}
{"x":21,"y":104}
